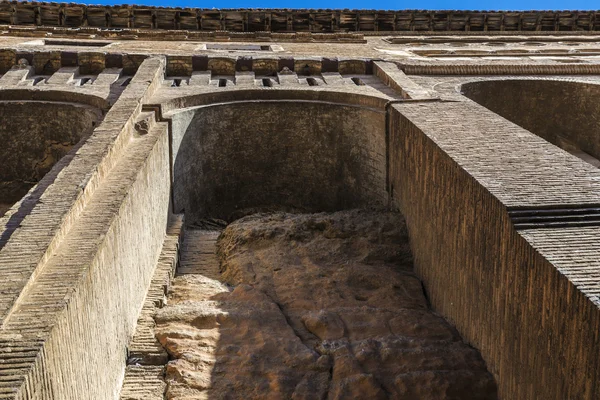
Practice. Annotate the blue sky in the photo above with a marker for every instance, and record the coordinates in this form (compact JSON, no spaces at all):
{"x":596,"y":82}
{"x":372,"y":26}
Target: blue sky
{"x":380,"y":4}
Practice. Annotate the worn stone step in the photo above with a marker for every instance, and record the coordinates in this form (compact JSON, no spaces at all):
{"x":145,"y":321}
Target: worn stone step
{"x":143,"y":383}
{"x":146,"y":357}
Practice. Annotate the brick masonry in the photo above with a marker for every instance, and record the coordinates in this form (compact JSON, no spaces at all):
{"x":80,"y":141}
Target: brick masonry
{"x":79,"y":251}
{"x":493,"y":282}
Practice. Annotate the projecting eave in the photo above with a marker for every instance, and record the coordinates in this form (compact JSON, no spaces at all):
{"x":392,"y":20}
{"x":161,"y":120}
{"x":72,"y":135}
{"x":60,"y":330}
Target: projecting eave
{"x":293,"y":20}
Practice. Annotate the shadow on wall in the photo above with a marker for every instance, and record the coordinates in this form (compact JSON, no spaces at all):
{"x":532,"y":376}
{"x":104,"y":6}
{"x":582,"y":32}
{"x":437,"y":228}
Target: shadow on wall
{"x":233,"y":159}
{"x":36,"y":136}
{"x":567,"y":114}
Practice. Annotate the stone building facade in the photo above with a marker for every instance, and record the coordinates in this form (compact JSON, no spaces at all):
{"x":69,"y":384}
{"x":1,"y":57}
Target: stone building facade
{"x":117,"y":123}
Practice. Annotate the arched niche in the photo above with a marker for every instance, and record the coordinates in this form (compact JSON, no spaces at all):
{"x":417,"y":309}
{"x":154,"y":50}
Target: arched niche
{"x":35,"y":135}
{"x":231,"y":158}
{"x":565,"y":113}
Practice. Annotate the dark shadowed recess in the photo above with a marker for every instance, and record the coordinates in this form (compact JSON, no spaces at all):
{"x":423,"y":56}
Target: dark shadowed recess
{"x":35,"y":136}
{"x":231,"y":159}
{"x":565,"y":113}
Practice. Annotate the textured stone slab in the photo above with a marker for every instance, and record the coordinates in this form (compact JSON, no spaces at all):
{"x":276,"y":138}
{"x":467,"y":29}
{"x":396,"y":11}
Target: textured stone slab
{"x":322,"y":304}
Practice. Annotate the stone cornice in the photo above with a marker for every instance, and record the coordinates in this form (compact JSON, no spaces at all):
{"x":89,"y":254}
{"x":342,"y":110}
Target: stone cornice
{"x":287,"y":20}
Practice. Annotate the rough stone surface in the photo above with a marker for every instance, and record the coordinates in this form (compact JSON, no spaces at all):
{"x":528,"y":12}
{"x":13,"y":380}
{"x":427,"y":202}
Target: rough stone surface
{"x":479,"y":192}
{"x":314,"y":306}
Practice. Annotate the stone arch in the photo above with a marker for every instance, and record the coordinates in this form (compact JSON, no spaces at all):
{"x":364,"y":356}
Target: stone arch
{"x":244,"y":151}
{"x":565,"y":113}
{"x":38,"y":130}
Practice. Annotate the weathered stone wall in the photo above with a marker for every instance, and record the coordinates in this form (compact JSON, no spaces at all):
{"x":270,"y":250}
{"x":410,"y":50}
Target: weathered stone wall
{"x":553,"y":109}
{"x":523,"y":313}
{"x":312,"y":156}
{"x":110,"y":295}
{"x":70,"y":307}
{"x":77,"y":258}
{"x":34,"y":136}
